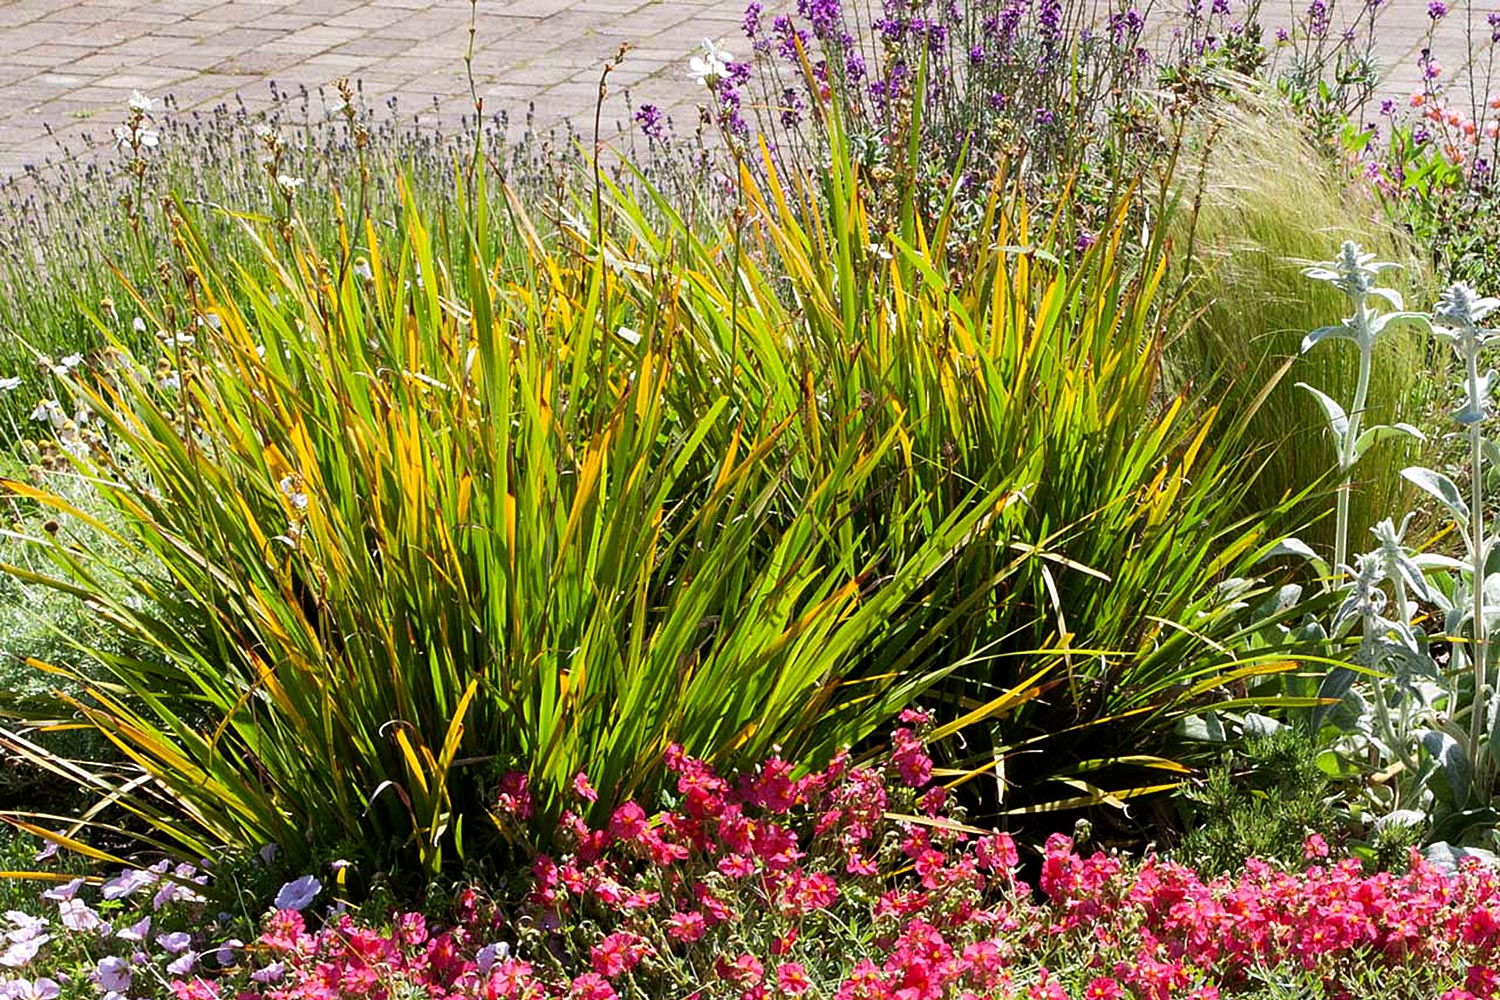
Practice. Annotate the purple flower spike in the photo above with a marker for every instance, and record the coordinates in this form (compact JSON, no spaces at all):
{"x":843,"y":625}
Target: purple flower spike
{"x":1437,"y":10}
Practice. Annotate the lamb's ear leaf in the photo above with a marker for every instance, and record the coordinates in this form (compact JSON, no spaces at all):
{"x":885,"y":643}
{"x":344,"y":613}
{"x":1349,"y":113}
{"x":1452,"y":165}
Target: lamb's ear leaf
{"x":1341,"y":332}
{"x":1440,"y":488}
{"x":1293,"y":546}
{"x":1384,"y":432}
{"x":1338,"y":420}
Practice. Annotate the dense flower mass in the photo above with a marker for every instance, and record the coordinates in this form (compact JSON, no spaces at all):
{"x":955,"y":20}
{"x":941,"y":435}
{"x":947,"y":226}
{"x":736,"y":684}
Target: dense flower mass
{"x":851,"y":882}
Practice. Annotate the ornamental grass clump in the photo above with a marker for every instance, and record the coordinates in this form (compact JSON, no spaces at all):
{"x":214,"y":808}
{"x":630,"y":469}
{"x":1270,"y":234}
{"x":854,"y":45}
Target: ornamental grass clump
{"x":444,"y":496}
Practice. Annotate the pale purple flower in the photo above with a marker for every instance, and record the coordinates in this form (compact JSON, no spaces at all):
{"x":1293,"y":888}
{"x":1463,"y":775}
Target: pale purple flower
{"x":499,"y":951}
{"x":127,"y":883}
{"x":299,"y":893}
{"x":183,"y":964}
{"x":112,"y":974}
{"x":47,"y":853}
{"x":26,"y":926}
{"x":136,"y":931}
{"x":22,"y":952}
{"x":26,"y":989}
{"x":76,"y":915}
{"x":224,"y":956}
{"x":175,"y":943}
{"x":63,"y":892}
{"x":272,"y":973}
{"x":268,"y":854}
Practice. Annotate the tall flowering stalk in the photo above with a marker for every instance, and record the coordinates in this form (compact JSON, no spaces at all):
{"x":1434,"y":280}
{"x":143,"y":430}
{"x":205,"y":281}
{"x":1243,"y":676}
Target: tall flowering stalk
{"x":1457,"y":319}
{"x":1354,"y":272}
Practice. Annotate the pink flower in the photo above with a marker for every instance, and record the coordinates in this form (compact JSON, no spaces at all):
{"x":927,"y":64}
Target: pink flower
{"x":686,"y":926}
{"x":1315,"y":847}
{"x":195,"y":989}
{"x":792,"y":979}
{"x":514,"y":798}
{"x":592,"y":986}
{"x":583,"y":789}
{"x":628,"y":822}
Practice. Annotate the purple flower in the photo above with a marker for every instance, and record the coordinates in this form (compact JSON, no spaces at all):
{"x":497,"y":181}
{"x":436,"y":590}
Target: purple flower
{"x":1317,"y":18}
{"x":127,"y":883}
{"x":1387,"y":107}
{"x":652,"y":122}
{"x":1221,"y":7}
{"x":1494,"y":22}
{"x":299,"y":893}
{"x":976,"y":56}
{"x":175,"y":943}
{"x":854,"y":67}
{"x":1044,"y":117}
{"x":112,"y":974}
{"x":824,"y":15}
{"x":224,"y":956}
{"x":791,"y":108}
{"x":753,"y":11}
{"x":63,"y":892}
{"x":136,"y":931}
{"x":1084,"y":241}
{"x":1282,"y":35}
{"x":183,"y":964}
{"x":1437,"y":10}
{"x":25,"y":989}
{"x":75,"y":915}
{"x":272,"y":973}
{"x":1049,"y":21}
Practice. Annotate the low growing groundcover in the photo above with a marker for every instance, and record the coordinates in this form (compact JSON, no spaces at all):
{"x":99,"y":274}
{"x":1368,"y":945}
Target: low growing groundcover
{"x":852,"y":881}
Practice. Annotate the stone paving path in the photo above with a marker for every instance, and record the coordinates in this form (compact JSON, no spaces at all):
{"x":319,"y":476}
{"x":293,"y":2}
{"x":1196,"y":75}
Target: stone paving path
{"x":67,"y":67}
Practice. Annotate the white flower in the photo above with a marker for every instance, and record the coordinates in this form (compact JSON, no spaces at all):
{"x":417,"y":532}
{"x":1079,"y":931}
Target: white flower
{"x":288,"y":183}
{"x":9,"y":383}
{"x":71,"y":361}
{"x":50,"y":411}
{"x":299,"y":893}
{"x":169,"y":380}
{"x":148,"y":137}
{"x":712,"y":65}
{"x":140,"y":102}
{"x":290,"y":487}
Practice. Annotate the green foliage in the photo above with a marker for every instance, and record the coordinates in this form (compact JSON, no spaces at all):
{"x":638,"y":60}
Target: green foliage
{"x":1262,"y":802}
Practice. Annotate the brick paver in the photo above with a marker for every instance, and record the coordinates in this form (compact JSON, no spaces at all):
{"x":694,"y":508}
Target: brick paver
{"x":67,"y":67}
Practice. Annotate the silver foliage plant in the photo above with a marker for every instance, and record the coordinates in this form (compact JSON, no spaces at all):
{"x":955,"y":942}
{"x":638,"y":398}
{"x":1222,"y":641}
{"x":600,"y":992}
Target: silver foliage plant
{"x":1428,"y":721}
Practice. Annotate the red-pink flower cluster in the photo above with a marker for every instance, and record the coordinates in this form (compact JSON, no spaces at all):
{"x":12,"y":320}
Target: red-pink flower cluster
{"x":837,"y":883}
